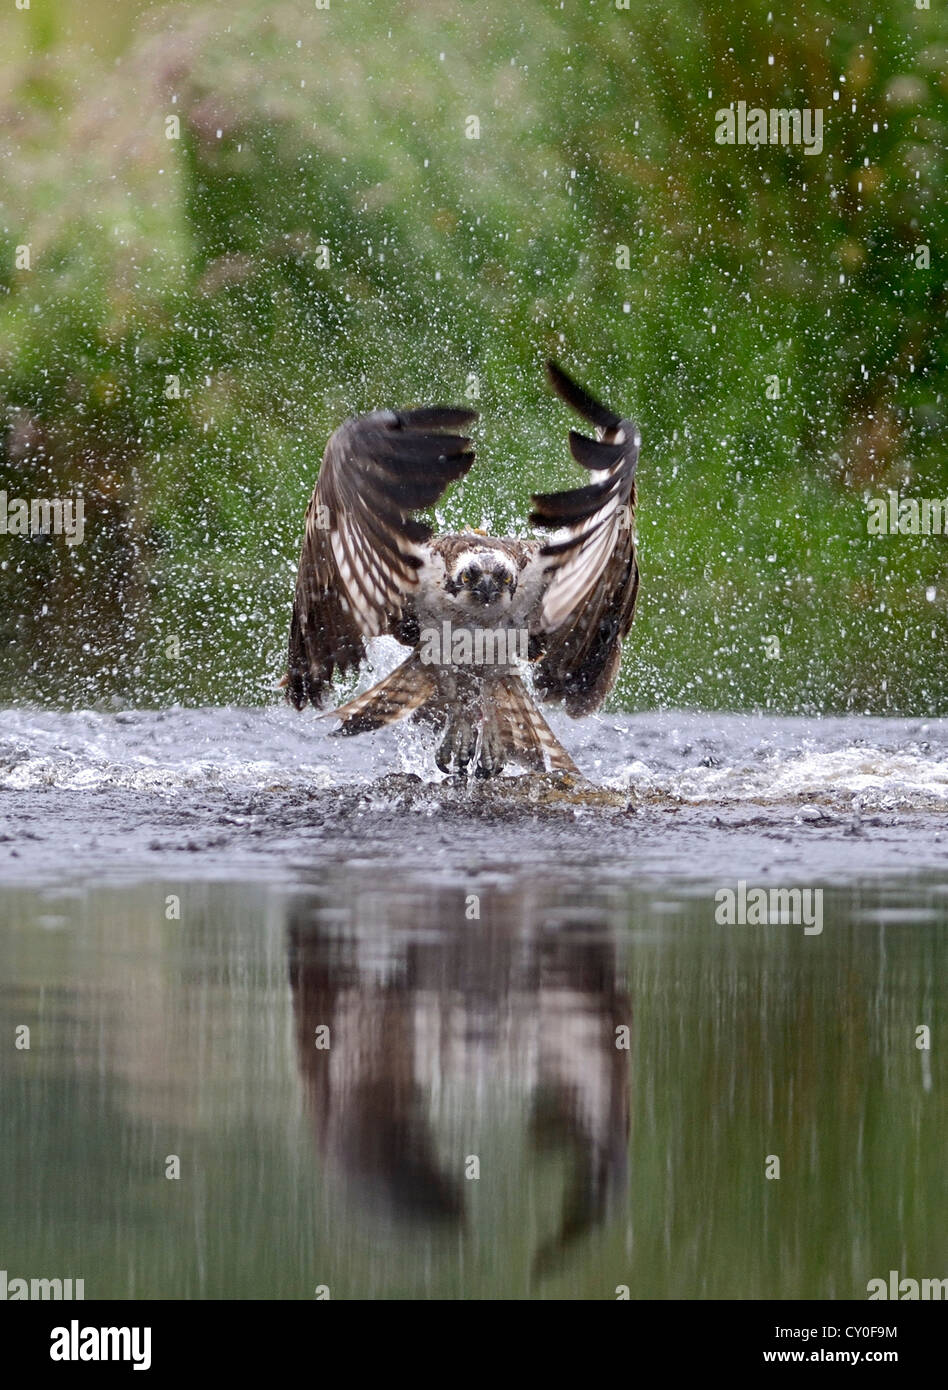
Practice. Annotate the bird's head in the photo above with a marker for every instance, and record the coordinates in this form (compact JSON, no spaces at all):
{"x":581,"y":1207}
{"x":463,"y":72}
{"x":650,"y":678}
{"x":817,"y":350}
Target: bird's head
{"x":482,"y":579}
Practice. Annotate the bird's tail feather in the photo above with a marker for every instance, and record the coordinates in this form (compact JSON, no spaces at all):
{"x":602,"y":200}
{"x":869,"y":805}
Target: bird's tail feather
{"x":512,"y":729}
{"x":516,"y":727}
{"x":406,"y":689}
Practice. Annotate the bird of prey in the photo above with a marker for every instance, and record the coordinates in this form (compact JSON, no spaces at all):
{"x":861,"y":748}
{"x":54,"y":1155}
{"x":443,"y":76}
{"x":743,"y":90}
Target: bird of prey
{"x":476,"y":611}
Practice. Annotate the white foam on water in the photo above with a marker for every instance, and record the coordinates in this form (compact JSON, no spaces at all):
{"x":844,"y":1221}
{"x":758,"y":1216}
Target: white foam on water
{"x":875,"y":777}
{"x":887,"y":764}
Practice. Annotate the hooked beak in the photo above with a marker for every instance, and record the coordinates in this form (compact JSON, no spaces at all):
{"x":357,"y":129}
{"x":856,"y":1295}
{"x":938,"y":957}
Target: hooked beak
{"x":487,"y":589}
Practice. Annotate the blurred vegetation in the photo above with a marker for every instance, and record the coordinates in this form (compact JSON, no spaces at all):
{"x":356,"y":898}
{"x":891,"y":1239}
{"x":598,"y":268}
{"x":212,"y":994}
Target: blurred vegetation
{"x":454,"y":259}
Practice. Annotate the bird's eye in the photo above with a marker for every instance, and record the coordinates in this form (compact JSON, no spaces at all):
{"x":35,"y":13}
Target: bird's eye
{"x":465,"y":576}
{"x":508,"y":580}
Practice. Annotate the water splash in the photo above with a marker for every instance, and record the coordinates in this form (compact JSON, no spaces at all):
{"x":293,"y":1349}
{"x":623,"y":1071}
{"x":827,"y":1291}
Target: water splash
{"x":698,"y":758}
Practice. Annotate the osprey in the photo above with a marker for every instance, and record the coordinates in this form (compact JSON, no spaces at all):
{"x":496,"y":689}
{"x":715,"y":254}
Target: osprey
{"x":471,"y":607}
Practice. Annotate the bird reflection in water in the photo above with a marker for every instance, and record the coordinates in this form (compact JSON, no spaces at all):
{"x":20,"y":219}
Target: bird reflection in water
{"x":430,"y":992}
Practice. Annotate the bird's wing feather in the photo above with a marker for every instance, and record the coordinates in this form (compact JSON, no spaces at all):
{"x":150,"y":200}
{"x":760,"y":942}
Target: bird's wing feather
{"x":589,"y":565}
{"x":363,"y":546}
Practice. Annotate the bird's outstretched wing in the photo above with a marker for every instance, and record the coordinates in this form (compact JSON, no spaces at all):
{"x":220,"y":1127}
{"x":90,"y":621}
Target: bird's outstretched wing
{"x":591,"y":575}
{"x":363,"y":546}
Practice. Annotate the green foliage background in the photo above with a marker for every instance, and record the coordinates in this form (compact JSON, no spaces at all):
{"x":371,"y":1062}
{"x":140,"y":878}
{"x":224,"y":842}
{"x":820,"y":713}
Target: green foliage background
{"x":303,"y":127}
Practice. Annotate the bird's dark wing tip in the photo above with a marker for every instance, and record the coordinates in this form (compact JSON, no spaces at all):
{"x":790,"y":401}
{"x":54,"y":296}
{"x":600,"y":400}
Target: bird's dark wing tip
{"x":437,"y":417}
{"x":556,"y":376}
{"x":579,"y":398}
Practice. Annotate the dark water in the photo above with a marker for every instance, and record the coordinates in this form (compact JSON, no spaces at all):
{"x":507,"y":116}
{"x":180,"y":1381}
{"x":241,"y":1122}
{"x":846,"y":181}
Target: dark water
{"x":181,"y":922}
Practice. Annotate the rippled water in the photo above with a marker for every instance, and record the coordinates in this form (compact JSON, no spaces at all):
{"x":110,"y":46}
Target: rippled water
{"x":251,"y":792}
{"x":885,"y":762}
{"x":193,"y":900}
